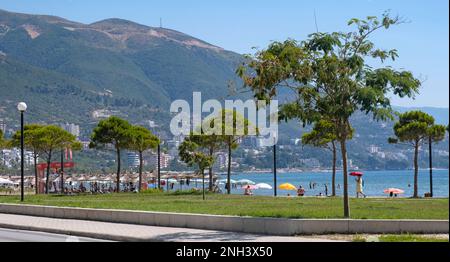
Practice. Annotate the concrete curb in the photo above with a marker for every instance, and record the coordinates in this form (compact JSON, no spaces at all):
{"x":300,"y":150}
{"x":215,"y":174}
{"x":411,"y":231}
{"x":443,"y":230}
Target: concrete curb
{"x":253,"y":225}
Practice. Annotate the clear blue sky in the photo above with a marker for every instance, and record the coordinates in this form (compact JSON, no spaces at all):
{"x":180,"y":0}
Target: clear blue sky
{"x":239,"y":25}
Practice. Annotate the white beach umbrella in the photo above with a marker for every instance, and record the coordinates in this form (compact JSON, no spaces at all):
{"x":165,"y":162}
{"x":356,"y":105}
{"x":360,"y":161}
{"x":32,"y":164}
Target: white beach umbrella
{"x":6,"y":181}
{"x":263,"y":186}
{"x":245,"y":182}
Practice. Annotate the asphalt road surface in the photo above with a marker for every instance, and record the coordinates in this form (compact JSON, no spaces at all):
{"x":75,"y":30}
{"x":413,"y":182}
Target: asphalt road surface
{"x":12,"y":235}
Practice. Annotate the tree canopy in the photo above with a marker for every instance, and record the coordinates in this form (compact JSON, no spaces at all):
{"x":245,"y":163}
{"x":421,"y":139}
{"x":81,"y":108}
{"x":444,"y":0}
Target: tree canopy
{"x":328,"y":76}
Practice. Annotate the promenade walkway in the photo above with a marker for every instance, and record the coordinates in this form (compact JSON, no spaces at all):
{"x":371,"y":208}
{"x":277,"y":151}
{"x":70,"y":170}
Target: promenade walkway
{"x":128,"y":232}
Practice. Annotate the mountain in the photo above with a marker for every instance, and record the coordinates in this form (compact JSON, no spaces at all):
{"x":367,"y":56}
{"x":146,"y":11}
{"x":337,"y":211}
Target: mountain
{"x":68,"y":71}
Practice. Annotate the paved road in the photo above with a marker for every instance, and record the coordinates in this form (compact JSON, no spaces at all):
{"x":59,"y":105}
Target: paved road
{"x":128,"y":232}
{"x":13,"y":235}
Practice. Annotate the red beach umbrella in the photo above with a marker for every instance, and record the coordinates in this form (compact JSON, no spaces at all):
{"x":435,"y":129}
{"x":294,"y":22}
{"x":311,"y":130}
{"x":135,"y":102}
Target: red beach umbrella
{"x":394,"y":191}
{"x":356,"y":174}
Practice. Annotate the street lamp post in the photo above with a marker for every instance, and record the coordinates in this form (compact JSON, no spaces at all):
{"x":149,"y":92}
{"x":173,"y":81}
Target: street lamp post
{"x":159,"y":165}
{"x":62,"y":171}
{"x":22,"y":107}
{"x":274,"y":165}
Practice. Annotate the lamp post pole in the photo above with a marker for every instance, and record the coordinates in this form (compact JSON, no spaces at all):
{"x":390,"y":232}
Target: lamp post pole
{"x":159,"y":166}
{"x":22,"y":107}
{"x":62,"y":171}
{"x":275,"y":166}
{"x":430,"y":148}
{"x":21,"y":158}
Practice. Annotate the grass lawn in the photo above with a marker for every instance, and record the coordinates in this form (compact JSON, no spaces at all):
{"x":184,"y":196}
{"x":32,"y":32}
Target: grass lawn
{"x":370,"y":208}
{"x":401,"y":238}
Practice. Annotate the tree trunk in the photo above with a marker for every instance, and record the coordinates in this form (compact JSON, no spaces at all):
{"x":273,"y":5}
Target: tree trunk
{"x":118,"y":171}
{"x":141,"y":163}
{"x":416,"y":169}
{"x":211,"y":153}
{"x":430,"y":144}
{"x":345,"y":173}
{"x":333,"y":179}
{"x":35,"y":174}
{"x":229,"y":167}
{"x":49,"y":160}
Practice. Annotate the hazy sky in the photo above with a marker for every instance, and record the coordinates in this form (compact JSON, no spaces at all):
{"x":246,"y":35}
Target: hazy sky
{"x":239,"y":25}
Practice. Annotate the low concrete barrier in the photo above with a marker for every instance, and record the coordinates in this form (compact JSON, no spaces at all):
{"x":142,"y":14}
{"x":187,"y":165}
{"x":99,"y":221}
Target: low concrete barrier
{"x":269,"y":226}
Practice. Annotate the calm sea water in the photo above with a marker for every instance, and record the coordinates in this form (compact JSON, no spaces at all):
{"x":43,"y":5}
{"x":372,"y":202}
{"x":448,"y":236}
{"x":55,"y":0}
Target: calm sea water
{"x":374,"y":182}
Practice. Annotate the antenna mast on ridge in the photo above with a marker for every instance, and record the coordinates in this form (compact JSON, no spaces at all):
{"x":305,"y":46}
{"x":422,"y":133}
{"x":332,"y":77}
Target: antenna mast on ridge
{"x":160,"y":22}
{"x":315,"y":21}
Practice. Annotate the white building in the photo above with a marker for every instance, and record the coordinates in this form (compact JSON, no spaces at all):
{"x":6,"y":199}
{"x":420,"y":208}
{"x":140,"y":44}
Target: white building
{"x":222,"y":160}
{"x":164,"y":160}
{"x":10,"y":156}
{"x":133,"y":159}
{"x":374,"y":149}
{"x":3,"y":126}
{"x":72,"y":128}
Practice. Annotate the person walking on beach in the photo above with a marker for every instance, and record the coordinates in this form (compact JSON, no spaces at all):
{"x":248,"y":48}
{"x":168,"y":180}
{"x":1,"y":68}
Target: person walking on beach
{"x":326,"y":190}
{"x":359,"y":187}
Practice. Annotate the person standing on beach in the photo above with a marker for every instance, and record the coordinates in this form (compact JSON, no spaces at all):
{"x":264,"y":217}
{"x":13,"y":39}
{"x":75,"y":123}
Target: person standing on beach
{"x":326,"y":190}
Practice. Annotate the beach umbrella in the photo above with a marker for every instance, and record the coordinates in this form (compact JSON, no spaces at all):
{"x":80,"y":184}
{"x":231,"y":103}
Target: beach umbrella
{"x":394,"y":191}
{"x":173,"y":181}
{"x":6,"y":181}
{"x":288,"y":186}
{"x":251,"y":187}
{"x":82,"y":178}
{"x":245,"y":182}
{"x":264,"y":186}
{"x":356,"y":174}
{"x":224,"y":181}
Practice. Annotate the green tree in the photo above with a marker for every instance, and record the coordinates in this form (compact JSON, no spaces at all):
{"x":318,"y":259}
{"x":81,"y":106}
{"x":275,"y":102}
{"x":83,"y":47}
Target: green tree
{"x":31,"y":143}
{"x":323,"y":135}
{"x":50,"y":139}
{"x":2,"y":139}
{"x":234,"y":128}
{"x":141,"y":140}
{"x":112,"y":131}
{"x":328,"y":77}
{"x":436,"y":133}
{"x":212,"y":143}
{"x":414,"y":128}
{"x":193,"y":154}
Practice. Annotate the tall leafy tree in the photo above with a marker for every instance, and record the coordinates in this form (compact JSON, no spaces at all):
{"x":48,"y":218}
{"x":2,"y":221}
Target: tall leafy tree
{"x":436,"y":133}
{"x":212,"y":143}
{"x":32,"y":143}
{"x":323,"y":135}
{"x":112,"y":131}
{"x":141,"y":140}
{"x":328,"y":77}
{"x":414,"y":128}
{"x":50,"y":139}
{"x":234,"y":128}
{"x":193,"y":154}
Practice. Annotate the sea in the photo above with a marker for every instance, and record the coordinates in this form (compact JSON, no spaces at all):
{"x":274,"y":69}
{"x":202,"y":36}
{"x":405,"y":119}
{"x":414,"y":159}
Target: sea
{"x":375,"y":182}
